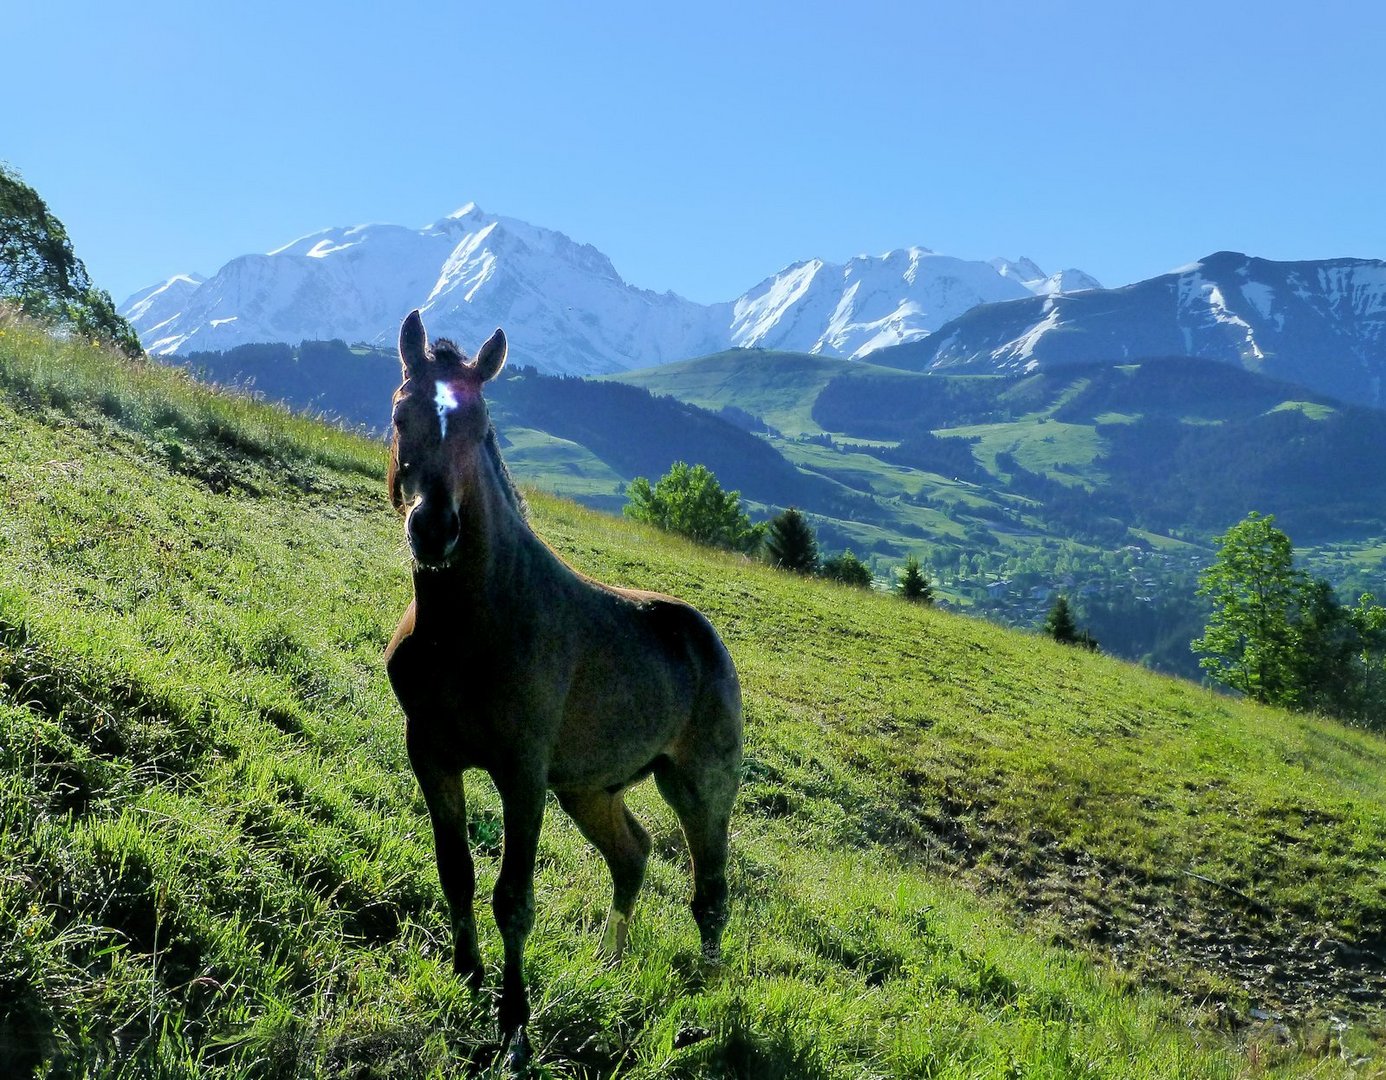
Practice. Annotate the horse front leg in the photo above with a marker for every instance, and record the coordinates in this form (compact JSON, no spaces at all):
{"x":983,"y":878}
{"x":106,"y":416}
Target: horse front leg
{"x":445,"y":796}
{"x":513,"y":904}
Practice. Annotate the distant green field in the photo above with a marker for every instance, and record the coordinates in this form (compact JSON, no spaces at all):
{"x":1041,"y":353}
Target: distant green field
{"x":1065,"y":452}
{"x":779,"y":387}
{"x":960,"y":851}
{"x":553,"y":464}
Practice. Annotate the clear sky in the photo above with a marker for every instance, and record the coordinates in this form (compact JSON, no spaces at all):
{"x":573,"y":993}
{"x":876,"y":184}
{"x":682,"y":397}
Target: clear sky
{"x":702,"y":146}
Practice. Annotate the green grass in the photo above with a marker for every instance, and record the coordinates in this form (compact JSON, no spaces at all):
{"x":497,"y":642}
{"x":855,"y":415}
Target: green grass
{"x":959,"y":852}
{"x":553,"y":464}
{"x":1315,"y":410}
{"x":1065,"y":452}
{"x":778,"y":387}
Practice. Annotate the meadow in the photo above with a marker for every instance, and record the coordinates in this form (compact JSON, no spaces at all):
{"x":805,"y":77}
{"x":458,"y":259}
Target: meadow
{"x":960,"y":851}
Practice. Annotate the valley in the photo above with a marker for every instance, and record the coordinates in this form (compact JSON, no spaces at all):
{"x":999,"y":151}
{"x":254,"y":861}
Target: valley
{"x":1105,"y":484}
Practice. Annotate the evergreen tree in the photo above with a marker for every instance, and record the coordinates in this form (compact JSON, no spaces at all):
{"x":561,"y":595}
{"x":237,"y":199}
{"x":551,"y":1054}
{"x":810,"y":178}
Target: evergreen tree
{"x":790,"y":543}
{"x":847,"y":569}
{"x":1059,"y":623}
{"x":912,"y":585}
{"x":42,"y":275}
{"x":689,"y":501}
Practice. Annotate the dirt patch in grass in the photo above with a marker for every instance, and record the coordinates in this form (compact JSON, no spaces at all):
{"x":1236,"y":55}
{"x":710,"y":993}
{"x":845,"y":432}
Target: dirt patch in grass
{"x":1195,"y":936}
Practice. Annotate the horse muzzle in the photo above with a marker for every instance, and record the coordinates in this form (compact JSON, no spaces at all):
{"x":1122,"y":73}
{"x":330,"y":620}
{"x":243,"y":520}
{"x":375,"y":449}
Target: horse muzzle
{"x":433,"y":533}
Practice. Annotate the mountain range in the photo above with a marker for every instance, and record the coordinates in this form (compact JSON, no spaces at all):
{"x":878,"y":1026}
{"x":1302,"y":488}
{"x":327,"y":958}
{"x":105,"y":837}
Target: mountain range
{"x":1320,"y":324}
{"x":566,"y":308}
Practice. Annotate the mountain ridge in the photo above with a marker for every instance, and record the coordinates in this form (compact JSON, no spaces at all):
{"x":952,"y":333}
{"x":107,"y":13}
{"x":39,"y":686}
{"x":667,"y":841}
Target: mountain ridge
{"x":1317,"y":323}
{"x":568,"y":309}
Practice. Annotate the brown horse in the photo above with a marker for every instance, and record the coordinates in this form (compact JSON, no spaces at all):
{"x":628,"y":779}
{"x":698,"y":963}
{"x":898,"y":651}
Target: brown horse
{"x":510,"y":661}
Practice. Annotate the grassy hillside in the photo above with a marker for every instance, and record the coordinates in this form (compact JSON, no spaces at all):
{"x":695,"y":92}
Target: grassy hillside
{"x":959,"y":851}
{"x":779,"y":387}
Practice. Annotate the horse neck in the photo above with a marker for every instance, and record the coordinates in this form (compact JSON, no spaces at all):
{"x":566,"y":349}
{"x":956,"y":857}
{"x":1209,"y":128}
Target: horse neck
{"x":498,"y":552}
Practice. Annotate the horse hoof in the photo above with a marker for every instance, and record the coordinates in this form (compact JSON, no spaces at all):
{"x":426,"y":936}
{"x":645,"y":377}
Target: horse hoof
{"x":613,"y":944}
{"x":518,"y":1056}
{"x":473,"y":973}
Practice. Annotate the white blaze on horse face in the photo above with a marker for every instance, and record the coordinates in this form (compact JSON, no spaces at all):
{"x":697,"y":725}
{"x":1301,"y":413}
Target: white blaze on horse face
{"x":446,"y":400}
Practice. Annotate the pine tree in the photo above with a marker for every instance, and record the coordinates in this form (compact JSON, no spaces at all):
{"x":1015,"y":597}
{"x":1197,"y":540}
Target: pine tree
{"x":790,"y":543}
{"x":912,"y":585}
{"x":1059,"y":623}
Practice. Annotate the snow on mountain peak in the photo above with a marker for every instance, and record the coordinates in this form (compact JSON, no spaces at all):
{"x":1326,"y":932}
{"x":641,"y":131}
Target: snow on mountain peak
{"x":565,"y":306}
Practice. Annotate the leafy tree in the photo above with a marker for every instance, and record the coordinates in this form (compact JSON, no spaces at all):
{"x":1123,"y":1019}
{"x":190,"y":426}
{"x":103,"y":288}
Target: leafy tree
{"x":41,"y":274}
{"x":912,"y":585}
{"x":790,"y":543}
{"x":1282,"y":637}
{"x":1369,"y":619}
{"x":847,"y":569}
{"x":1250,"y":641}
{"x":689,"y":501}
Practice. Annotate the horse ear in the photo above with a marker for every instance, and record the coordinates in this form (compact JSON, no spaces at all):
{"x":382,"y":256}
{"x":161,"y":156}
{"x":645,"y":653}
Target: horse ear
{"x":413,"y":342}
{"x":490,"y":358}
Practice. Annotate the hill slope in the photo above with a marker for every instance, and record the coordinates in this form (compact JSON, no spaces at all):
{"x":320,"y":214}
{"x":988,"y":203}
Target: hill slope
{"x":214,"y":854}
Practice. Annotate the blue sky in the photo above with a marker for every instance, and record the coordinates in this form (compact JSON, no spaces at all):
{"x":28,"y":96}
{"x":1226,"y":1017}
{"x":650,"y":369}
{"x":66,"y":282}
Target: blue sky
{"x":703,"y":146}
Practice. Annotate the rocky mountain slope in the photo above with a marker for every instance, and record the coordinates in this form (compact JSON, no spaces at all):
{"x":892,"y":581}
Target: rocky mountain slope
{"x":1321,"y":324}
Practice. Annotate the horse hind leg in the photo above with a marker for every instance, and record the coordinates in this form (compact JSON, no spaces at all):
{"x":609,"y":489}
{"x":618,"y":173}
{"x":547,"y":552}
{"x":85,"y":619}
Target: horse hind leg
{"x":613,"y":830}
{"x":699,"y":781}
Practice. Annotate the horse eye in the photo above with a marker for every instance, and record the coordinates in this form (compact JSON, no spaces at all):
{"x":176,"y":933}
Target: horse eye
{"x":406,"y":467}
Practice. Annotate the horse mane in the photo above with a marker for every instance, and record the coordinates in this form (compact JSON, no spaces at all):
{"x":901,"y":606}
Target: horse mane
{"x":445,"y":351}
{"x":513,"y":498}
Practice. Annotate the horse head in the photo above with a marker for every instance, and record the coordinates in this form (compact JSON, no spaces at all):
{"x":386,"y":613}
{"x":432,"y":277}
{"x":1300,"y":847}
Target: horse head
{"x":440,"y":426}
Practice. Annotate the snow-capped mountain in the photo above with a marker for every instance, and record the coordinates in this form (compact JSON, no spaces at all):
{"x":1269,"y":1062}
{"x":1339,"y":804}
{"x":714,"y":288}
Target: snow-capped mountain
{"x":1321,"y":324}
{"x":563,"y":303}
{"x":154,"y":302}
{"x":564,"y":306}
{"x":1038,"y":282}
{"x":866,"y":304}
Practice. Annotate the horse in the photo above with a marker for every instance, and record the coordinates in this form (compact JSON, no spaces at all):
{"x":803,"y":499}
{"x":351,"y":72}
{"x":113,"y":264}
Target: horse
{"x":510,"y":661}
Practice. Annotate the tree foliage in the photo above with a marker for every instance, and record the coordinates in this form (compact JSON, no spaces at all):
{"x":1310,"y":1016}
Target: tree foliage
{"x":847,"y":569}
{"x":1284,"y":638}
{"x":912,"y":584}
{"x":790,"y":543}
{"x":1254,"y":588}
{"x":689,"y":501}
{"x":42,"y":275}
